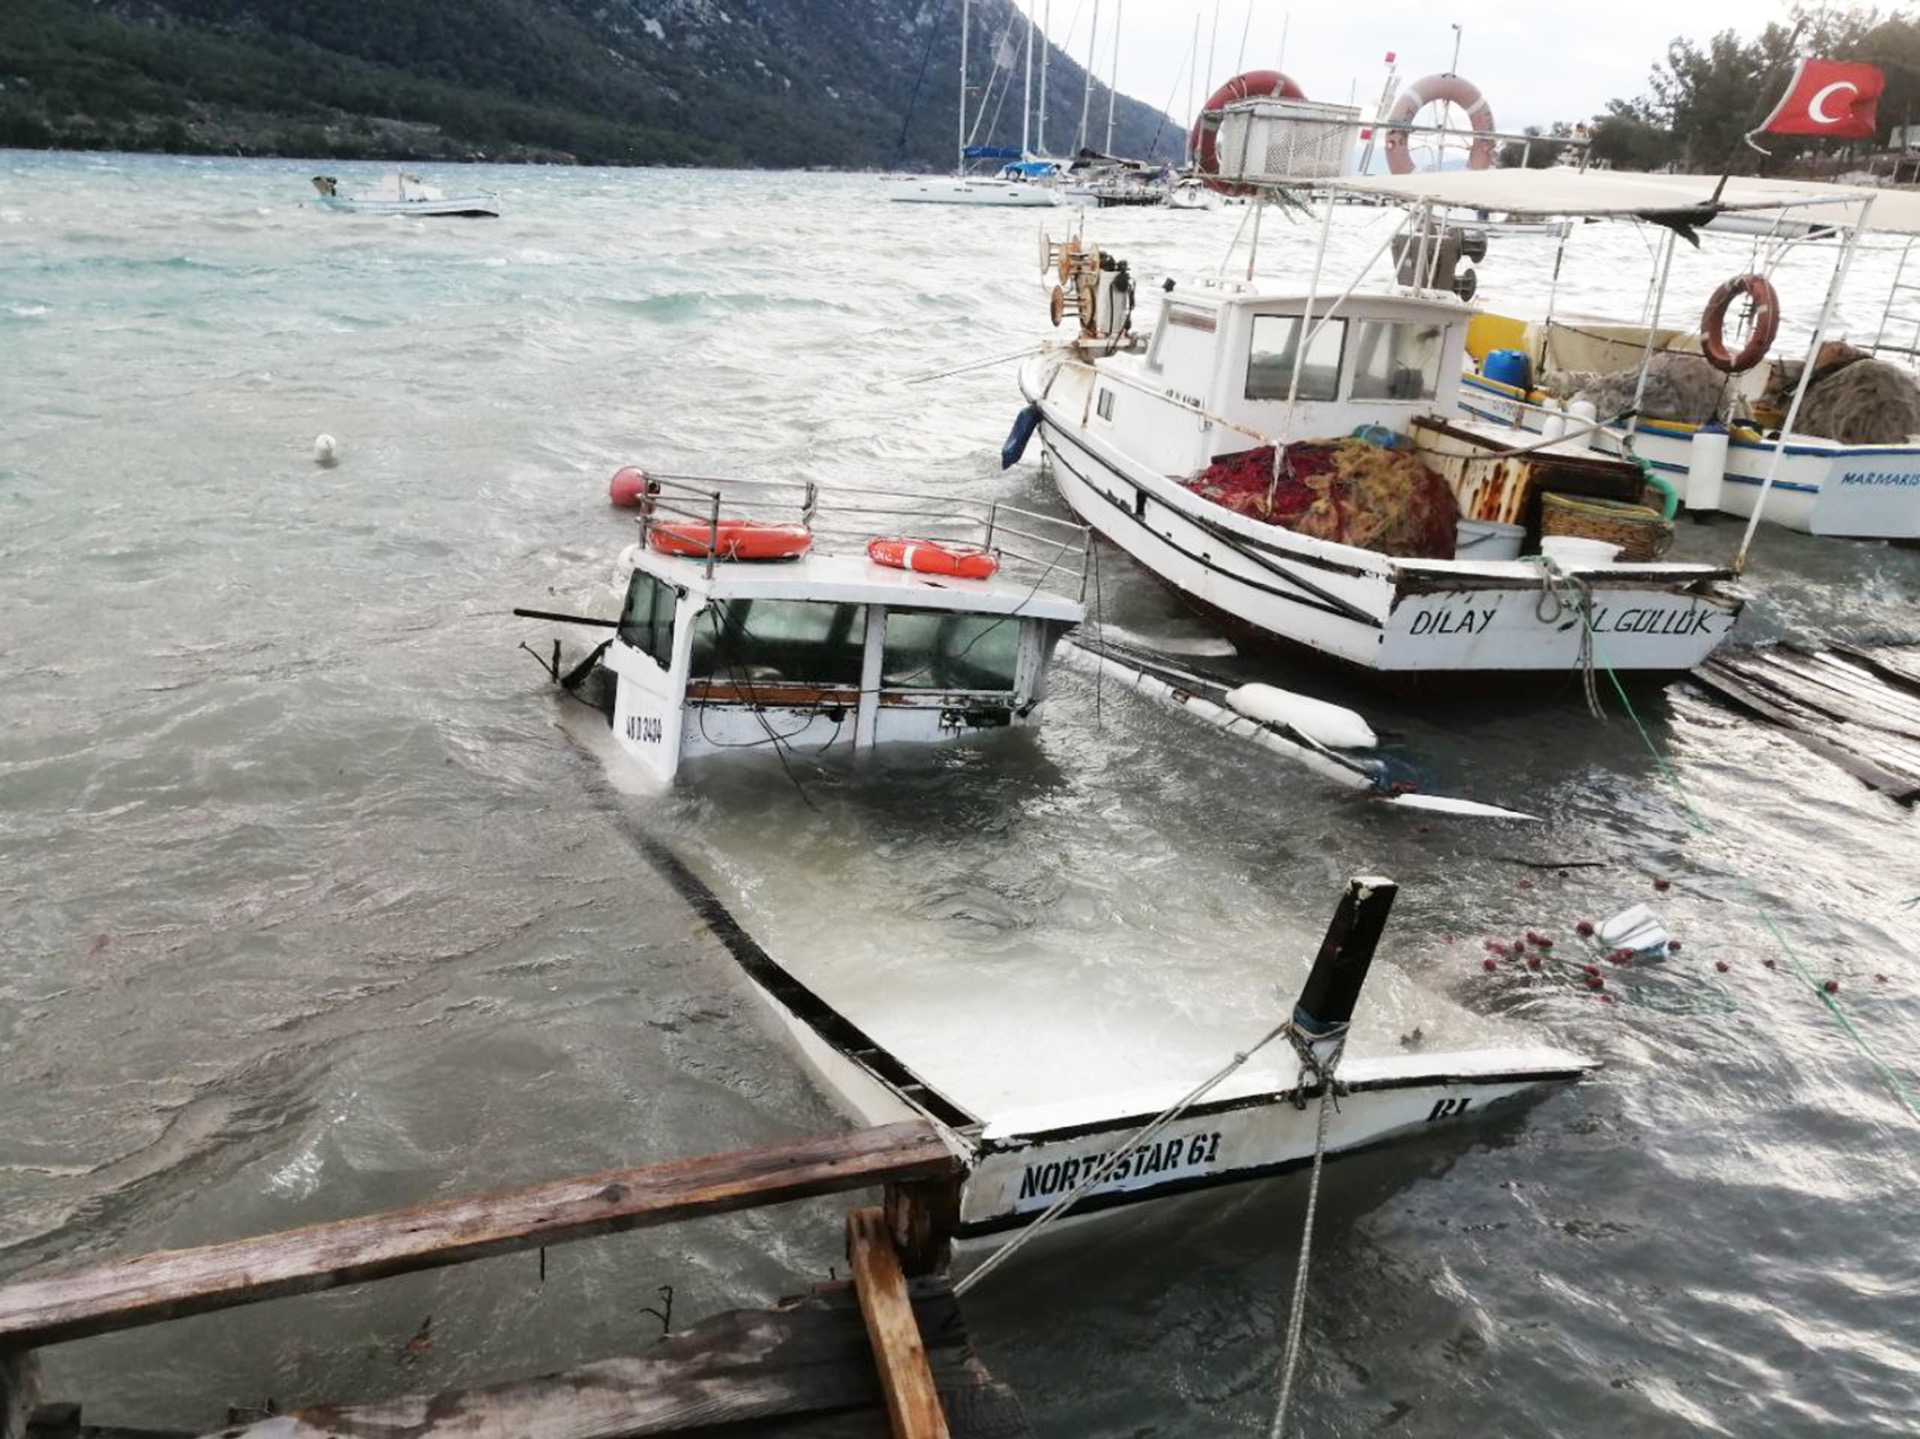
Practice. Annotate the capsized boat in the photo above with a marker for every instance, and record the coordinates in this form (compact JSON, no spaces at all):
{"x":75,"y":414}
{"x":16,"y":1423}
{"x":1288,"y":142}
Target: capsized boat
{"x":758,"y":615}
{"x":404,"y":194}
{"x":1251,"y":1120}
{"x":1287,"y":463}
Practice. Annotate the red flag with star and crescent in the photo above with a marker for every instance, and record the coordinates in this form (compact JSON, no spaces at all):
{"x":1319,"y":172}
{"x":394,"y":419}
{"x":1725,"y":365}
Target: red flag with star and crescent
{"x":1833,"y":99}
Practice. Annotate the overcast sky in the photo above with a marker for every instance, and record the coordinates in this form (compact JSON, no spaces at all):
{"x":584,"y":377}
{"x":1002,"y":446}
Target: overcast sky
{"x":1534,"y":63}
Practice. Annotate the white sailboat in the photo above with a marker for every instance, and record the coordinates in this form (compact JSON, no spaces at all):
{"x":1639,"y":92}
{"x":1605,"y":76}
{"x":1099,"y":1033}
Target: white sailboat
{"x":961,"y":187}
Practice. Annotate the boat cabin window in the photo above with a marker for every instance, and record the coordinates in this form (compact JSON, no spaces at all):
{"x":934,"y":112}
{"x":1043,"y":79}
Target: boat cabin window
{"x":1395,"y":360}
{"x":647,"y":621}
{"x":1182,"y":341}
{"x":932,"y":650}
{"x":779,"y":641}
{"x":1276,"y":341}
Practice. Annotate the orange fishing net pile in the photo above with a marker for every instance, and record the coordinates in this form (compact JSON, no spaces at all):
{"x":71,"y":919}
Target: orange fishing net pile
{"x":1345,"y":490}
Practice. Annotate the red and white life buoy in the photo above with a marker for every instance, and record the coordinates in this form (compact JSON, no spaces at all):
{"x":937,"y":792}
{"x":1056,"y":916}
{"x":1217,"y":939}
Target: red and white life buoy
{"x":1766,"y":324}
{"x":1253,"y":85}
{"x":934,"y":557}
{"x":731,"y":540}
{"x":1431,"y":91}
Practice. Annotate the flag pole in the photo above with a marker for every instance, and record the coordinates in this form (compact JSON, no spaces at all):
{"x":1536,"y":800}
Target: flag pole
{"x":1759,"y":123}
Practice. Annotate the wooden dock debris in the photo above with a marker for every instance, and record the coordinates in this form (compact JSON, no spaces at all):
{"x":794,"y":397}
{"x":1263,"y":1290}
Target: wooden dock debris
{"x":898,"y":1352}
{"x":804,"y":1369}
{"x":1857,"y":706}
{"x":174,"y":1283}
{"x":880,"y":1356}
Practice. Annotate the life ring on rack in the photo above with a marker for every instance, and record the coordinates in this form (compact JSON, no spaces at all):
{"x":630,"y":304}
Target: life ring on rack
{"x":934,"y":557}
{"x":1253,"y":85}
{"x":1766,"y":323}
{"x":1431,"y":91}
{"x":731,"y":540}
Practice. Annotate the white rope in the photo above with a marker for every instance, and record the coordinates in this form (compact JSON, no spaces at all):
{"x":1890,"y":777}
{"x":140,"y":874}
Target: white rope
{"x":1141,"y":1137}
{"x":1296,"y":1320}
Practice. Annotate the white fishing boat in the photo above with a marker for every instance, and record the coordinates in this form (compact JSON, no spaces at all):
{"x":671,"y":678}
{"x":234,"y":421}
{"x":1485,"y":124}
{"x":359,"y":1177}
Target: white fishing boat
{"x":764,"y":615}
{"x":404,"y":194}
{"x":1137,"y":434}
{"x":1255,"y":1117}
{"x":1757,"y":465}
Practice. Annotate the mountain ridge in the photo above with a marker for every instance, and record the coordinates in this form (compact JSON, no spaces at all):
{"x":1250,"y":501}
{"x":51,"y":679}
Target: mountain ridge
{"x":835,"y":83}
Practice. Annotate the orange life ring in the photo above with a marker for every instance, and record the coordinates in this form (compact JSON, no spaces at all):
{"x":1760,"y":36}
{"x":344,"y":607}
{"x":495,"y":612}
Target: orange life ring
{"x":1766,"y":323}
{"x":934,"y":557}
{"x":731,"y":540}
{"x":1201,"y":140}
{"x":1432,"y":90}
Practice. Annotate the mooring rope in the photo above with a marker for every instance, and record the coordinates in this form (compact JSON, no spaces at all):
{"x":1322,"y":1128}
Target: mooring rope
{"x":1296,"y":1318}
{"x":1144,"y":1135}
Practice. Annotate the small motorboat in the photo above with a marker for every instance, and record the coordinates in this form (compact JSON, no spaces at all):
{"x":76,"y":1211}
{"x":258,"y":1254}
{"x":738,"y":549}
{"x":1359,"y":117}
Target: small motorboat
{"x":761,"y":615}
{"x":404,"y":194}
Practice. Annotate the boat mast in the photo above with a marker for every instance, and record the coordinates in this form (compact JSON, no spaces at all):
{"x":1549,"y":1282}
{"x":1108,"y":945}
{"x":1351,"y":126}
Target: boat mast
{"x":1026,"y":94}
{"x":1113,"y":73}
{"x":1086,"y":88}
{"x":1046,"y":53}
{"x":1193,"y":73}
{"x":960,"y":153}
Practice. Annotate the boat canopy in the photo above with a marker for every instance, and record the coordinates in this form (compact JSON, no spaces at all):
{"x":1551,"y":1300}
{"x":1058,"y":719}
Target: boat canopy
{"x":991,"y":152}
{"x":1031,"y":169}
{"x":1613,"y":193}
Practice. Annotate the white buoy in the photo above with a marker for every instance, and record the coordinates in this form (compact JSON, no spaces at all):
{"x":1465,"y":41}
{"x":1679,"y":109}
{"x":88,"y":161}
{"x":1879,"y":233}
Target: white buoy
{"x":1553,"y":424}
{"x":1706,"y":470}
{"x":326,"y":452}
{"x":1332,"y":725}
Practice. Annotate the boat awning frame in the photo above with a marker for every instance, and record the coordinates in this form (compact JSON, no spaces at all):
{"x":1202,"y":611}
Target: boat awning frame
{"x":1610,"y":194}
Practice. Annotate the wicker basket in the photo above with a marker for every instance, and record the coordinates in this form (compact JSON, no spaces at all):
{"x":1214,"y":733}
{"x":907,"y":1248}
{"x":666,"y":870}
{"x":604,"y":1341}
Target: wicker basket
{"x":1640,"y":532}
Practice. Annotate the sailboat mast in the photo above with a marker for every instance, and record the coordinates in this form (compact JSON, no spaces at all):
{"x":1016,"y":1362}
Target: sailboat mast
{"x":1193,"y":73}
{"x":1046,"y":53}
{"x":1086,"y":89}
{"x":1113,"y":74}
{"x":960,"y":152}
{"x":1026,"y":94}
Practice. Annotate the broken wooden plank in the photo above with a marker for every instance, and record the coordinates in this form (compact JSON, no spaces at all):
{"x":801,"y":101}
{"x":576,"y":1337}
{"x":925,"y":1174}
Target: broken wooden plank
{"x":803,"y":1370}
{"x":898,"y":1350}
{"x":1795,"y":722}
{"x":173,"y":1283}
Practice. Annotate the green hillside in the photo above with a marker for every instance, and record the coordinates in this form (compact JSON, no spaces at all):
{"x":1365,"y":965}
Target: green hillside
{"x":795,"y":82}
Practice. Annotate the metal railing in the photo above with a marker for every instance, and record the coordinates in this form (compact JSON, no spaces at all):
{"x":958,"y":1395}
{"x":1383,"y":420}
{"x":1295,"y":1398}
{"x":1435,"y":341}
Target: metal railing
{"x":1033,"y":548}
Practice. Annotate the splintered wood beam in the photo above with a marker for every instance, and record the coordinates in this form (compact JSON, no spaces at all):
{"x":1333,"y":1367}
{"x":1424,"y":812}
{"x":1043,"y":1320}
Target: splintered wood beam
{"x":173,"y":1283}
{"x":913,"y":1406}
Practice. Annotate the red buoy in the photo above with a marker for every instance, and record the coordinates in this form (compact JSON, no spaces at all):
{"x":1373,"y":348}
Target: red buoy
{"x":1584,"y":929}
{"x":630,"y":486}
{"x":1490,"y":965}
{"x":1721,"y":965}
{"x":1832,"y":986}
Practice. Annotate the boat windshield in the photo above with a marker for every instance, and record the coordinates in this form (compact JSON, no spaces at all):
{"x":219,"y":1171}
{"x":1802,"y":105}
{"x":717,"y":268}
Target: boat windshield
{"x":647,"y":621}
{"x":780,"y":641}
{"x":1270,"y":358}
{"x":931,"y":650}
{"x":1394,"y":360}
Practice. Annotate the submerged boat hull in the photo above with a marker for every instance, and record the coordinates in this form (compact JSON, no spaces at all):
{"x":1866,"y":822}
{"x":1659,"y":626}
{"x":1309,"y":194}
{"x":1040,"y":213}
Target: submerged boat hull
{"x":478,"y":207}
{"x":1373,"y":612}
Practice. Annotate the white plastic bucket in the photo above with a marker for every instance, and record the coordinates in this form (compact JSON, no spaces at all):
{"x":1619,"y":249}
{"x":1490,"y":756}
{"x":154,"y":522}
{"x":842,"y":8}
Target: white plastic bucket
{"x":1487,"y":540}
{"x":1576,"y":550}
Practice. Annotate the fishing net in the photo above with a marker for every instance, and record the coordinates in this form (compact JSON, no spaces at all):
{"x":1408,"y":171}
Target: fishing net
{"x":1349,"y":491}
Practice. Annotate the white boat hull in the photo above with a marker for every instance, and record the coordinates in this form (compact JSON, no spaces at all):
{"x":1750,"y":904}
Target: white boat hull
{"x":1023,"y":1164}
{"x":1372,"y":611}
{"x":1821,"y":487}
{"x":964,"y":190}
{"x":466,"y":207}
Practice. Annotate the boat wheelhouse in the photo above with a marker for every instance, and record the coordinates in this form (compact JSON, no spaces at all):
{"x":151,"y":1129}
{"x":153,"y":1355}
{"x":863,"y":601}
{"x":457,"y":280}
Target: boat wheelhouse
{"x":828,"y":649}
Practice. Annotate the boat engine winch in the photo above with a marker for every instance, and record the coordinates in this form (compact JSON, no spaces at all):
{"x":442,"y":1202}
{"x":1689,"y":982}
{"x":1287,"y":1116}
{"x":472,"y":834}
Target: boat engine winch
{"x":1094,"y":286}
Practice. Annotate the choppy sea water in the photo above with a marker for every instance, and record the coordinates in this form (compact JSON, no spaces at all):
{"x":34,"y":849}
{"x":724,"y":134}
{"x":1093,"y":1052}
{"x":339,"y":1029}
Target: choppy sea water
{"x":313,"y":902}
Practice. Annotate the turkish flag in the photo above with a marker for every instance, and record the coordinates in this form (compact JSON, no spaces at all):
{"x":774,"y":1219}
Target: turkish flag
{"x":1831,"y":98}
